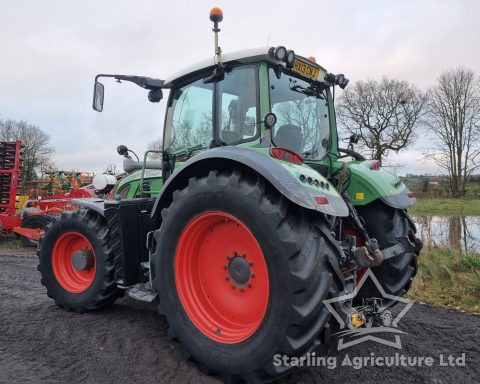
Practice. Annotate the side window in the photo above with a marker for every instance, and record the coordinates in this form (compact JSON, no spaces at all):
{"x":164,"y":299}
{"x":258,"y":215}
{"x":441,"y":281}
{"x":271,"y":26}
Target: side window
{"x":124,"y":191}
{"x":191,"y":120}
{"x":238,"y":108}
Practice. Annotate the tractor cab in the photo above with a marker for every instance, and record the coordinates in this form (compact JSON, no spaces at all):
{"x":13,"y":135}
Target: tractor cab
{"x":260,"y":100}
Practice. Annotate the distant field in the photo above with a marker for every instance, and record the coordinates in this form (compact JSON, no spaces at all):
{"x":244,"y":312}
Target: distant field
{"x":459,"y":207}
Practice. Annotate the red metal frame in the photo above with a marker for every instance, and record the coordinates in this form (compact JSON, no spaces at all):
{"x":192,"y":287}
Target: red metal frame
{"x":53,"y":205}
{"x":15,"y":174}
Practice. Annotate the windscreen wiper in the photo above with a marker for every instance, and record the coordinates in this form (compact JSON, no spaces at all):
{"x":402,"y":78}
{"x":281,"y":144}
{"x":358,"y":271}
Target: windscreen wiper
{"x":312,"y":90}
{"x":306,"y":91}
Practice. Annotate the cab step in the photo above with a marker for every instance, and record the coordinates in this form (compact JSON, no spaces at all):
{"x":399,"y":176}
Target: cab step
{"x":143,"y":292}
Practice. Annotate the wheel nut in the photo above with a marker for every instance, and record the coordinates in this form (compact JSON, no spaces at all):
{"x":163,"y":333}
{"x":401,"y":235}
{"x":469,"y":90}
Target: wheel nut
{"x":233,"y":287}
{"x":227,"y":277}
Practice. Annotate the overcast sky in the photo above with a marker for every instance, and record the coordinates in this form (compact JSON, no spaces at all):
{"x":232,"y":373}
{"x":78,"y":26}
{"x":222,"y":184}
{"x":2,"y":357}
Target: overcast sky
{"x":51,"y":51}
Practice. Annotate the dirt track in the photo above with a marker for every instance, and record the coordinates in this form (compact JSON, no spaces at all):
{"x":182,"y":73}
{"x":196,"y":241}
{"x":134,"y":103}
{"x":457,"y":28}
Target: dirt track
{"x":127,"y":342}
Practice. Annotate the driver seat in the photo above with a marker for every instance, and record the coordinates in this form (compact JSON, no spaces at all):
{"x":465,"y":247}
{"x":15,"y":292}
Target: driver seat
{"x":290,"y":136}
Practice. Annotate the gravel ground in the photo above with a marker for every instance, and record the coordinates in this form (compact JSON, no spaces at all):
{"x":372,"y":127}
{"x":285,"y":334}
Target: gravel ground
{"x":127,"y":342}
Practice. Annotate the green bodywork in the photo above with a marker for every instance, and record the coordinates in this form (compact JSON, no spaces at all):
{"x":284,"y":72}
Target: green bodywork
{"x":365,"y":185}
{"x":368,"y":185}
{"x":129,"y":186}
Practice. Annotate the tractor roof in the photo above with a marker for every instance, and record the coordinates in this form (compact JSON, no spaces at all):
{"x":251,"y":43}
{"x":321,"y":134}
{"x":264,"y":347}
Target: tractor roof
{"x":242,"y":56}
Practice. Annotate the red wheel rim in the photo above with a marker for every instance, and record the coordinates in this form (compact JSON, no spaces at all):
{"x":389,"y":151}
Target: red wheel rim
{"x":221,"y":277}
{"x":70,"y":278}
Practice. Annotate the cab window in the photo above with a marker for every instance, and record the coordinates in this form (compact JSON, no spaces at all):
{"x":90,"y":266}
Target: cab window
{"x":237,"y":112}
{"x":301,"y":107}
{"x":191,"y":117}
{"x":124,"y":191}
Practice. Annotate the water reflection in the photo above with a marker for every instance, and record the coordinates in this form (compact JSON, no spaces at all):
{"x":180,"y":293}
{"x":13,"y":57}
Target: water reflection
{"x":454,"y":232}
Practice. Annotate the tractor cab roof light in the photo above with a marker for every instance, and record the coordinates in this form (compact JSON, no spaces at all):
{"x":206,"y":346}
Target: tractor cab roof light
{"x":290,"y":59}
{"x":281,"y":53}
{"x":286,"y":154}
{"x":339,"y":79}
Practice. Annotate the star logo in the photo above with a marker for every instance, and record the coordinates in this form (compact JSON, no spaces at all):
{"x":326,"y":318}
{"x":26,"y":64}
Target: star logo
{"x":351,"y":335}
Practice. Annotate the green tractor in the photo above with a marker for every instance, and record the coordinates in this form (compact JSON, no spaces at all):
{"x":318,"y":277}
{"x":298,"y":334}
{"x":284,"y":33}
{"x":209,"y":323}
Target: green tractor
{"x":252,"y":217}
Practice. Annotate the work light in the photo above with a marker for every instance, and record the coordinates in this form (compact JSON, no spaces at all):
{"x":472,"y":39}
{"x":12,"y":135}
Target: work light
{"x":290,"y":59}
{"x":280,"y":52}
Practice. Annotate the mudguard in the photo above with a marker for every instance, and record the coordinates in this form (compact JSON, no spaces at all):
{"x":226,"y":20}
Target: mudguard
{"x":97,"y":205}
{"x":284,"y":176}
{"x":368,"y":185}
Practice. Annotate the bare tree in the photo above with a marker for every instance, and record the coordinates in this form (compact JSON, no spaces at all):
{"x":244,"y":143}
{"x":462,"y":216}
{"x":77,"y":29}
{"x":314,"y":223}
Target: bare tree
{"x":37,"y":152}
{"x":454,"y":119}
{"x":155,"y":145}
{"x":385,"y":113}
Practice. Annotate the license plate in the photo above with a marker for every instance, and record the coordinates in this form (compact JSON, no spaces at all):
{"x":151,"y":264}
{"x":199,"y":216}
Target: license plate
{"x":305,"y":69}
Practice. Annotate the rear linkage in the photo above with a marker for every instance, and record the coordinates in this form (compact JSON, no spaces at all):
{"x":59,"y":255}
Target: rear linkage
{"x":368,"y":255}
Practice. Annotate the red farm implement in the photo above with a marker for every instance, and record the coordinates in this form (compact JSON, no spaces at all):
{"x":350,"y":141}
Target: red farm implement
{"x":27,"y":218}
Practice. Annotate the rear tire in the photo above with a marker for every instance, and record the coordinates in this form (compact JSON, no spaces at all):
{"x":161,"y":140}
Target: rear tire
{"x":77,"y":290}
{"x":395,"y":274}
{"x":300,"y":258}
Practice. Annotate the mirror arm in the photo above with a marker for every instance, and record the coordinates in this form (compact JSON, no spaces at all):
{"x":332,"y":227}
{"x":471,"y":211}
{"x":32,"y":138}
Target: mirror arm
{"x":142,"y":81}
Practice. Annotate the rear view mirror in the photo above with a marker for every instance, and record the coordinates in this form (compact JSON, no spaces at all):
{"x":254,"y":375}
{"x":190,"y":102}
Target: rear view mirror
{"x":98,"y":93}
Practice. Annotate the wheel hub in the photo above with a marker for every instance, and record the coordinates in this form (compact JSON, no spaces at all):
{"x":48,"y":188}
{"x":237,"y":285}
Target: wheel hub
{"x":83,"y":260}
{"x":239,"y":269}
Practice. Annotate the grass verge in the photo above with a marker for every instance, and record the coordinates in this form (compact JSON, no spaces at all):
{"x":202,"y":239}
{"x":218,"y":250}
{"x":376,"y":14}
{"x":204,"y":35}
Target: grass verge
{"x":448,"y":278}
{"x":458,"y":207}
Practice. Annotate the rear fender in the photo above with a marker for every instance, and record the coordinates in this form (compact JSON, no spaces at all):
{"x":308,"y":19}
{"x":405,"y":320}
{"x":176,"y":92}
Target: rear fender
{"x":97,"y":205}
{"x":285,"y":177}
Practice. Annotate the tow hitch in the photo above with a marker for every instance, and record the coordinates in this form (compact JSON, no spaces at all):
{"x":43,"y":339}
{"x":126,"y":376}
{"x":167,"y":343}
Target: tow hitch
{"x":371,"y":256}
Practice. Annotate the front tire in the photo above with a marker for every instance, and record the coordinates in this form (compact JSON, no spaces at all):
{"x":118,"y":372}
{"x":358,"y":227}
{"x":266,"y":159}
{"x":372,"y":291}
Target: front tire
{"x":287,"y":263}
{"x":395,"y":274}
{"x":76,"y":262}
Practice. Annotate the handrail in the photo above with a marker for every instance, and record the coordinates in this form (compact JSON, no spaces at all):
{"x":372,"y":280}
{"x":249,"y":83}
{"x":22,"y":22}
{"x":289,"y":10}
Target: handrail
{"x":143,"y":171}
